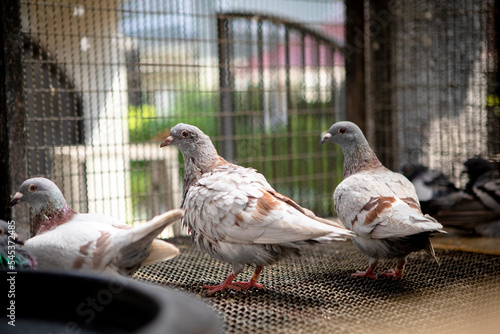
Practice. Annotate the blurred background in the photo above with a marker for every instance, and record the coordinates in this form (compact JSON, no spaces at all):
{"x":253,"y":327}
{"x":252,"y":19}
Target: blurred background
{"x":91,"y":88}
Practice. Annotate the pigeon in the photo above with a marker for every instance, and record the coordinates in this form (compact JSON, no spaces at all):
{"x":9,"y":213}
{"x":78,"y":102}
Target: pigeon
{"x":234,"y":214}
{"x":380,"y":206}
{"x":489,"y":229}
{"x":12,"y":256}
{"x":484,"y":182}
{"x":64,"y":239}
{"x":434,"y":190}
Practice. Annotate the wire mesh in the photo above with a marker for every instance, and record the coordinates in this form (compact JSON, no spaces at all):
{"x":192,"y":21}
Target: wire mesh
{"x":315,"y":293}
{"x":105,"y":80}
{"x":434,"y":82}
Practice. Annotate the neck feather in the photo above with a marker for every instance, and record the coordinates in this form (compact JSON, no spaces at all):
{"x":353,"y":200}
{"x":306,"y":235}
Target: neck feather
{"x":54,"y":213}
{"x":358,"y":158}
{"x":205,"y":157}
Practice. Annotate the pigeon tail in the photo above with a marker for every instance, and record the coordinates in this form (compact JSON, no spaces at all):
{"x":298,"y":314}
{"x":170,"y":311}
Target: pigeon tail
{"x":160,"y":251}
{"x":142,"y":237}
{"x":430,"y":250}
{"x":155,"y":226}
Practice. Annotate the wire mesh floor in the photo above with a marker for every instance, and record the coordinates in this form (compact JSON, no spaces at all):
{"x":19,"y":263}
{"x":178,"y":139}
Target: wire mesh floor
{"x":316,"y":294}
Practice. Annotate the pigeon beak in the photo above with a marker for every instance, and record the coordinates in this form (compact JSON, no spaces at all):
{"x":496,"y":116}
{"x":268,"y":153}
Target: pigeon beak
{"x":325,"y":138}
{"x":16,"y":239}
{"x":16,"y":199}
{"x":167,"y":141}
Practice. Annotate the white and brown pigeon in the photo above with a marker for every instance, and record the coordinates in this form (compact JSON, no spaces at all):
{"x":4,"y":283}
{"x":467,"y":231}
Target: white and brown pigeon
{"x":233,"y":214}
{"x":66,"y":240}
{"x":380,"y":206}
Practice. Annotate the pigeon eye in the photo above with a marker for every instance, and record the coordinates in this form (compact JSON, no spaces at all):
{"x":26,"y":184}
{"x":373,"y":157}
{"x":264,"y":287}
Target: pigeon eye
{"x":33,"y":188}
{"x":184,"y":134}
{"x":342,"y":131}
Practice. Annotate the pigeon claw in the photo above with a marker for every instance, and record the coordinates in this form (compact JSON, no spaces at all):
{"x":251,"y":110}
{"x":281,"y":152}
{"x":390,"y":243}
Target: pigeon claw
{"x":249,"y":284}
{"x":211,"y":289}
{"x":396,"y":274}
{"x":238,"y":286}
{"x":368,"y":274}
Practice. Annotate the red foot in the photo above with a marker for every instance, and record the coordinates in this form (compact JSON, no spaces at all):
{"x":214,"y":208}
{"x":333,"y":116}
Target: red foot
{"x":221,"y":287}
{"x":249,"y":284}
{"x":396,"y":274}
{"x":367,"y":273}
{"x":229,"y":284}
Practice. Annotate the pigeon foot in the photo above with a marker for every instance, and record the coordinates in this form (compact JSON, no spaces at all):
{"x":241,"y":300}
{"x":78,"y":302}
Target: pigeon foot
{"x":253,"y":280}
{"x":396,"y":274}
{"x":227,"y":284}
{"x":368,"y":274}
{"x":211,"y":289}
{"x":249,"y":284}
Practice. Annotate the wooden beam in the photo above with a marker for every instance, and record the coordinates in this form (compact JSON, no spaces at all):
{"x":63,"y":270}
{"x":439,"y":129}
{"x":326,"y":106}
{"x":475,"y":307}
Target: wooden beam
{"x":355,"y":63}
{"x":12,"y":114}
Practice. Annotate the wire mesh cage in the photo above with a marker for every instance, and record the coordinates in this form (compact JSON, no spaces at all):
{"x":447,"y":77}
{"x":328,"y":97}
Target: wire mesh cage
{"x":433,"y":86}
{"x":104,"y":82}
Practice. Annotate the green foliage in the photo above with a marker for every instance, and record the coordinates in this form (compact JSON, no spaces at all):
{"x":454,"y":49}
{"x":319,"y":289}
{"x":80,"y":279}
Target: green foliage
{"x":193,"y":107}
{"x":140,"y":183}
{"x":197,"y":108}
{"x":143,"y":125}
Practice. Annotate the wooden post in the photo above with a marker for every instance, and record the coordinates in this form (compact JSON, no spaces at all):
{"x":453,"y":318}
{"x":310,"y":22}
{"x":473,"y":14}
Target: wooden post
{"x":12,"y":115}
{"x":355,"y":63}
{"x":380,"y":79}
{"x":493,"y":79}
{"x":226,"y":87}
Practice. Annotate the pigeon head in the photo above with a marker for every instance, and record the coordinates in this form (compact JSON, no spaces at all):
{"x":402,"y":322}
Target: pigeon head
{"x":185,"y":137}
{"x":41,"y":194}
{"x":410,"y":171}
{"x":475,"y":167}
{"x":194,"y":145}
{"x":346,"y":134}
{"x":358,"y":154}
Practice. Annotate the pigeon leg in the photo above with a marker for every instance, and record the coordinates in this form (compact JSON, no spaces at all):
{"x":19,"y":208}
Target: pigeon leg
{"x":369,"y":272}
{"x":228,"y":283}
{"x":398,"y":273}
{"x":253,"y":280}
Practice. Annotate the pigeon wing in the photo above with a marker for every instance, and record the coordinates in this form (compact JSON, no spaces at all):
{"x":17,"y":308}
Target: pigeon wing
{"x":236,"y":204}
{"x":381,"y":204}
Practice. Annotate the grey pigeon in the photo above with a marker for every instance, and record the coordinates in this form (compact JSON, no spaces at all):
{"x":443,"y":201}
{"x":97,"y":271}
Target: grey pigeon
{"x":12,"y":256}
{"x":489,"y":229}
{"x":484,"y":182}
{"x":234,"y":215}
{"x":380,"y":206}
{"x":64,"y":239}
